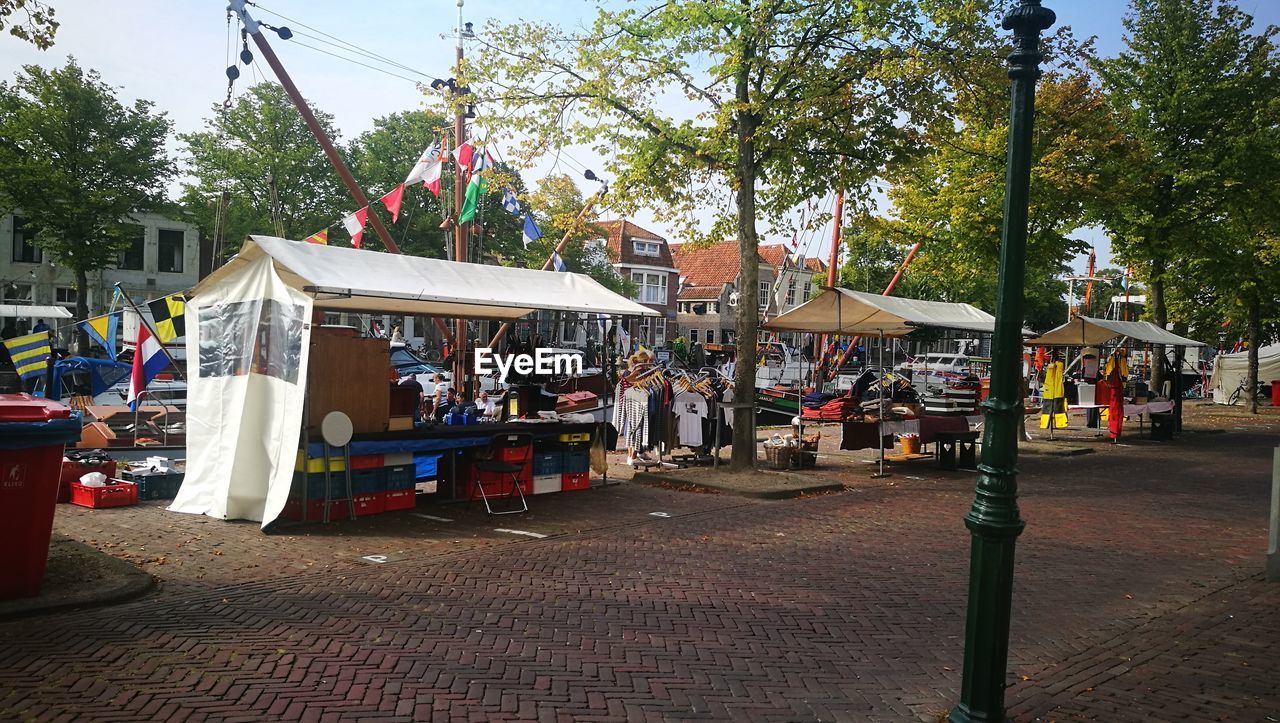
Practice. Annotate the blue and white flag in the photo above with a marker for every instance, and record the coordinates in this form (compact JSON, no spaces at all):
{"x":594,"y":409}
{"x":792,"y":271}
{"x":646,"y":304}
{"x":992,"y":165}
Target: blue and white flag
{"x":531,"y":231}
{"x":510,"y":203}
{"x":557,"y":263}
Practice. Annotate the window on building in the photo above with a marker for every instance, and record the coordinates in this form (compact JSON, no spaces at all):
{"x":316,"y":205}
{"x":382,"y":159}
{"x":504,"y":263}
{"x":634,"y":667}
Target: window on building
{"x":650,"y":288}
{"x":659,"y":332}
{"x":131,"y":257}
{"x":171,"y":243}
{"x":693,"y":336}
{"x":727,"y":335}
{"x":65,"y":295}
{"x":791,"y":293}
{"x":16,"y":293}
{"x":764,"y":294}
{"x":647,"y":248}
{"x":642,"y":331}
{"x":713,"y":307}
{"x":24,"y":242}
{"x":808,"y":290}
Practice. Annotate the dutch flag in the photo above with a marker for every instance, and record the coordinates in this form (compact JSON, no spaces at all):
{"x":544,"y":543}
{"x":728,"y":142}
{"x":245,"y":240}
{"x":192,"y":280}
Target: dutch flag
{"x":148,"y":361}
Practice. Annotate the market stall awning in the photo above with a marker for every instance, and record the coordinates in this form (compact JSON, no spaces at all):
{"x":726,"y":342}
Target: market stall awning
{"x":1087,"y":331}
{"x":842,"y":311}
{"x":354,"y":280}
{"x":30,"y":311}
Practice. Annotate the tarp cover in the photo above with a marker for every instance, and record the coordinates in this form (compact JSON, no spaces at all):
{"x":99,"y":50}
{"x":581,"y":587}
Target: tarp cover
{"x":30,"y":311}
{"x":842,"y":311}
{"x":346,"y":279}
{"x":246,"y":373}
{"x":1230,"y":370}
{"x":1087,"y":331}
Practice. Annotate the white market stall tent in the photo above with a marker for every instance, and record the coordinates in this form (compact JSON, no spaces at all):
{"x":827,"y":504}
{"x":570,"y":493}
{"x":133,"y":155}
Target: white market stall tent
{"x":843,"y":311}
{"x":29,"y":311}
{"x":1088,"y":331}
{"x":248,"y":355}
{"x":1230,"y":371}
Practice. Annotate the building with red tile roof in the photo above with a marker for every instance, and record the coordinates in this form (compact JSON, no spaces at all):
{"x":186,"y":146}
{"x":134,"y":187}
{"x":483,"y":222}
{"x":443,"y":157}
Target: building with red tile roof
{"x":644,"y":258}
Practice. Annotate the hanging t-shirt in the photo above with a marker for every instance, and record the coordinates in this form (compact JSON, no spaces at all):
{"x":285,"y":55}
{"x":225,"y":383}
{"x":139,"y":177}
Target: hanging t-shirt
{"x":690,"y":409}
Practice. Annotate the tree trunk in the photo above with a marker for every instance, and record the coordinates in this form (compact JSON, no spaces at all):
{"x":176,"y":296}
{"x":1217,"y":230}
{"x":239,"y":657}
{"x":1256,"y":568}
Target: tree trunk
{"x":1159,"y":317}
{"x":1255,"y":335}
{"x":744,"y":377}
{"x":81,"y":339}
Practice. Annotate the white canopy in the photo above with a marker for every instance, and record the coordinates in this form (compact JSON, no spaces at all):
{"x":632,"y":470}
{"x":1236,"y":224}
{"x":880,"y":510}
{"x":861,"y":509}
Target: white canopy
{"x":1087,"y":331}
{"x":842,"y":311}
{"x":345,"y":279}
{"x":30,"y":311}
{"x":1230,"y":371}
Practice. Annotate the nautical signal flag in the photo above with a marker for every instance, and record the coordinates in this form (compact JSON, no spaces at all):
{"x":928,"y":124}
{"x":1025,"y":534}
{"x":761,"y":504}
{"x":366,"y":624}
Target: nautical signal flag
{"x":475,"y":189}
{"x":102,"y":330}
{"x":30,"y":354}
{"x":557,"y":263}
{"x":429,"y":167}
{"x":462,"y":154}
{"x":354,"y":224}
{"x":510,"y":203}
{"x":531,"y":231}
{"x":392,"y":201}
{"x":170,"y":314}
{"x":148,"y":361}
{"x":319,"y":237}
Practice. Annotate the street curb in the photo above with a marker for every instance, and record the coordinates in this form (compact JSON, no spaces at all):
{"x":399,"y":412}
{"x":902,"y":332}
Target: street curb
{"x":1059,"y":452}
{"x":653,"y":479}
{"x":129,"y":583}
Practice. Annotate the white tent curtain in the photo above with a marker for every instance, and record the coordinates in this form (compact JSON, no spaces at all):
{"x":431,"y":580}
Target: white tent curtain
{"x":246,"y":375}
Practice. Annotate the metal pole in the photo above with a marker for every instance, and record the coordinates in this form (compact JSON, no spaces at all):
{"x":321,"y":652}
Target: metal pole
{"x":1273,"y":549}
{"x":254,"y":28}
{"x":994,"y":522}
{"x":460,"y":229}
{"x":143,"y":320}
{"x":880,"y":412}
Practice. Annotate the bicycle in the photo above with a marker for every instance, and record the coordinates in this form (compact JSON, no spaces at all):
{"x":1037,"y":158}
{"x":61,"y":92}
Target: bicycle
{"x":1262,"y":393}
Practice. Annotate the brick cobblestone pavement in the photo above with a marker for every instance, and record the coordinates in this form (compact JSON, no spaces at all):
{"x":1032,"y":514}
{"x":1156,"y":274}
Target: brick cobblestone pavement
{"x":1137,"y":598}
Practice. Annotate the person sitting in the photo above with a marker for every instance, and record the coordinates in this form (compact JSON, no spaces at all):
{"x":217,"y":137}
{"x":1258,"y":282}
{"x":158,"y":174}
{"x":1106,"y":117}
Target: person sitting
{"x":484,"y":405}
{"x":447,"y":405}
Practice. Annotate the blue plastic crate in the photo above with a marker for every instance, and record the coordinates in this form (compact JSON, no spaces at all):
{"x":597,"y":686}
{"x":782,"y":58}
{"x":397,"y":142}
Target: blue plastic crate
{"x":400,"y":477}
{"x":155,"y":485}
{"x":363,"y":482}
{"x":547,"y":463}
{"x":577,"y":459}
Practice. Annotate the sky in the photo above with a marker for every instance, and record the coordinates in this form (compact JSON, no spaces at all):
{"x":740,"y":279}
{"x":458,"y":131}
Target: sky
{"x":174,"y":53}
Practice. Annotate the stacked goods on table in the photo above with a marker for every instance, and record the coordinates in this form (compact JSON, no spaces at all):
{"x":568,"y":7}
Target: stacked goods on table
{"x":958,"y":398}
{"x":379,"y":483}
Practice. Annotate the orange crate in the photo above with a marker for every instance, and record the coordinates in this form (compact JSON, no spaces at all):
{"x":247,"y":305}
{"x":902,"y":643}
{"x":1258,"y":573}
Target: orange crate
{"x":120,"y":494}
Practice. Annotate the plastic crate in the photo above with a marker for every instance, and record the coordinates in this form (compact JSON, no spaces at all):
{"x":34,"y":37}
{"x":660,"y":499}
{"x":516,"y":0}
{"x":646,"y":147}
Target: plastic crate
{"x":367,"y":481}
{"x":370,"y":504}
{"x":155,"y":485}
{"x":73,"y":470}
{"x":293,"y":510}
{"x":513,"y":454}
{"x":399,"y":477}
{"x":577,"y":459}
{"x":400,"y":499}
{"x":547,"y":483}
{"x":120,"y":494}
{"x":576,"y":437}
{"x":549,"y":462}
{"x":575,"y":481}
{"x":363,"y":482}
{"x":336,"y":464}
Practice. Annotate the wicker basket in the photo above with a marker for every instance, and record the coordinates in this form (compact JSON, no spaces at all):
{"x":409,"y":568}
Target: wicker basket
{"x":778,"y":457}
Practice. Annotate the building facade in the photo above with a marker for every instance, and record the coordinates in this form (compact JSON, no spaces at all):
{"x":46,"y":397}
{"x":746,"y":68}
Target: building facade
{"x":644,"y":258}
{"x":163,"y":257}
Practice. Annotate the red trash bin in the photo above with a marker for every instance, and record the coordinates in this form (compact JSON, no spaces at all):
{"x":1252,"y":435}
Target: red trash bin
{"x":33,"y":432}
{"x":1275,"y":393}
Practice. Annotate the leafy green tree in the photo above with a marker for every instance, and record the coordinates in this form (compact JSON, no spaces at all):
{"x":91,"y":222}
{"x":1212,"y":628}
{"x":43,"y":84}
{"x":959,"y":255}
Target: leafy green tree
{"x":773,"y":102}
{"x":557,"y":204}
{"x":1193,"y":92}
{"x":261,"y":154}
{"x":37,"y":26}
{"x":77,"y":162}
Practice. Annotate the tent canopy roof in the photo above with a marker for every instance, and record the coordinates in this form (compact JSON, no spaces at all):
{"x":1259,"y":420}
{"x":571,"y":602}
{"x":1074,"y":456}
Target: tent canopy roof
{"x":842,"y":311}
{"x":353,"y":280}
{"x":29,"y":311}
{"x":1088,"y":331}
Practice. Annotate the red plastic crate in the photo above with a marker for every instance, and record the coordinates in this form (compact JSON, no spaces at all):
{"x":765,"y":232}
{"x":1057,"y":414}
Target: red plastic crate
{"x":374,"y":503}
{"x":497,"y":484}
{"x":515,"y":454}
{"x":338,"y":510}
{"x":576,"y":481}
{"x":73,"y":470}
{"x":121,"y":494}
{"x":400,"y":500}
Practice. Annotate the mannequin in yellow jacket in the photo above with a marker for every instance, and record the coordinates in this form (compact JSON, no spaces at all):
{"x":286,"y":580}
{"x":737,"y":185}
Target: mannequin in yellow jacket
{"x":1053,"y":397}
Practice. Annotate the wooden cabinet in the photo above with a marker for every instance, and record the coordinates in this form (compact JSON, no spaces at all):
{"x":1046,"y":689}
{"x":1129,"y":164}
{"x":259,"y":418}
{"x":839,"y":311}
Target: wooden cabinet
{"x":349,"y":374}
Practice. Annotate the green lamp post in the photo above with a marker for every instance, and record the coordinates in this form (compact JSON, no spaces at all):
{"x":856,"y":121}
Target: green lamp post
{"x":993,"y":521}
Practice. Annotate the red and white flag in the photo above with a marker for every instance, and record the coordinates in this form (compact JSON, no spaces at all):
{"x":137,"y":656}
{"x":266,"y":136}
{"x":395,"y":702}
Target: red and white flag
{"x":463,"y":155}
{"x":354,"y":224}
{"x":392,"y":201}
{"x":148,"y":361}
